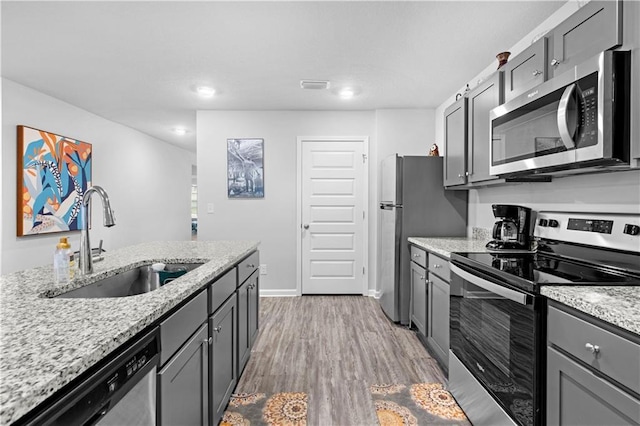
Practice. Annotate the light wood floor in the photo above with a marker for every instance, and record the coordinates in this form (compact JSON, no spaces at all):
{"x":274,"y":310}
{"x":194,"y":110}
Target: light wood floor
{"x":333,"y":348}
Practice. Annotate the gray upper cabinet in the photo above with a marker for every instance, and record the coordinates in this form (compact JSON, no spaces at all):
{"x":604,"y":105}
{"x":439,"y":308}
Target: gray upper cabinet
{"x":482,"y":99}
{"x":595,"y":27}
{"x":526,"y":70}
{"x":455,"y":143}
{"x":183,"y":384}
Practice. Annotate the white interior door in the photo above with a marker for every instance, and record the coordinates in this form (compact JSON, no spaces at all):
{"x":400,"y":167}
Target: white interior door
{"x":333,"y":194}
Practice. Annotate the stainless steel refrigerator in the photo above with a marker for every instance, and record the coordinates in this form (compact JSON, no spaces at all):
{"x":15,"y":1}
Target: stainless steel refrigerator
{"x":413,"y":203}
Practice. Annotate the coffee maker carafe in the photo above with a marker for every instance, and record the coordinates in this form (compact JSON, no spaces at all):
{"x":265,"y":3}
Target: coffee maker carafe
{"x":513,"y":229}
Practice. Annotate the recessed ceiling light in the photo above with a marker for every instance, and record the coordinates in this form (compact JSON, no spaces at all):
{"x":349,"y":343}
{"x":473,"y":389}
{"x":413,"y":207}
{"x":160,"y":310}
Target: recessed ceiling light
{"x":180,"y":131}
{"x":206,"y":91}
{"x":346,"y":93}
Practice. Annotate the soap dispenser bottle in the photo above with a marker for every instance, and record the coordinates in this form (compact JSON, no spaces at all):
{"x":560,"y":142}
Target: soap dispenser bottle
{"x":62,"y":262}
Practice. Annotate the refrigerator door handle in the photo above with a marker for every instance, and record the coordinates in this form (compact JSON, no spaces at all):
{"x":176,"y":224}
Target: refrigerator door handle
{"x":390,"y":206}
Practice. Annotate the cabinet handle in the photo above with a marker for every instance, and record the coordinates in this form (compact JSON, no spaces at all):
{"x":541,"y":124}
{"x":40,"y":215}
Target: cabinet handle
{"x":421,"y":278}
{"x":435,"y":265}
{"x":536,"y":73}
{"x":555,"y":62}
{"x":416,"y":255}
{"x":595,"y":349}
{"x":209,"y":340}
{"x":217,"y":329}
{"x":250,"y":265}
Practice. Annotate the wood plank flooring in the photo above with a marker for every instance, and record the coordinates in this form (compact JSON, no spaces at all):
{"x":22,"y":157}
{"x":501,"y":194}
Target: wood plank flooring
{"x":333,"y":348}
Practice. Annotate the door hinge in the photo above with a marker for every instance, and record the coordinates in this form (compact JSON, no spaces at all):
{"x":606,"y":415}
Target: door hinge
{"x":364,"y":157}
{"x":363,"y":271}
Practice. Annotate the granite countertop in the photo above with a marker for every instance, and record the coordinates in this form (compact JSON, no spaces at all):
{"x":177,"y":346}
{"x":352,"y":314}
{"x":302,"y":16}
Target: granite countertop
{"x":444,"y":246}
{"x":45,"y":343}
{"x":619,"y":306}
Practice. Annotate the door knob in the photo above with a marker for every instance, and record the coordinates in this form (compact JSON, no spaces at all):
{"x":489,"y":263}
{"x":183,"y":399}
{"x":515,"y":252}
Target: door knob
{"x":305,"y":226}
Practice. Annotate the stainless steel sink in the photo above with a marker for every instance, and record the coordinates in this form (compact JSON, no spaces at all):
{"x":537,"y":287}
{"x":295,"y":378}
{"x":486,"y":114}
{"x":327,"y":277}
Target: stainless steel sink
{"x":129,"y":283}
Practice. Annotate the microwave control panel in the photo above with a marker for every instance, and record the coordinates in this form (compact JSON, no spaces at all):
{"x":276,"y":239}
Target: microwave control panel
{"x":587,"y":111}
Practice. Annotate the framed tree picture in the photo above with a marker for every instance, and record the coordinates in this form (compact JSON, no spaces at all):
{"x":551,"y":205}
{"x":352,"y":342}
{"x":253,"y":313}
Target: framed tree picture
{"x":54,"y":172}
{"x":245,"y":168}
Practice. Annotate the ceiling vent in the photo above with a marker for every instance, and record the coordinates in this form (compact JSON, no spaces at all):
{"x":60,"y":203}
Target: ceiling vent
{"x":314,"y":84}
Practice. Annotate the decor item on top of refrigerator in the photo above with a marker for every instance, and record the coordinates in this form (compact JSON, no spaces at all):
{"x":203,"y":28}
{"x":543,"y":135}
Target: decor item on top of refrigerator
{"x":413,"y":203}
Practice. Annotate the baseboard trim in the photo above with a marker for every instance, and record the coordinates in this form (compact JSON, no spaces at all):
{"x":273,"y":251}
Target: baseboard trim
{"x":374,"y":293}
{"x":278,"y":292}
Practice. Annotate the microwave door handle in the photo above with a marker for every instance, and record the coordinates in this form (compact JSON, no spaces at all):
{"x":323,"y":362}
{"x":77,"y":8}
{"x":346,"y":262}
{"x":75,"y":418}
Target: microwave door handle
{"x":507,"y":293}
{"x":568,"y":116}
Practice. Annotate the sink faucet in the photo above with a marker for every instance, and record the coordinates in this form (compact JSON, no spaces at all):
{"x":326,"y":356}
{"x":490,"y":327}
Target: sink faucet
{"x":85,"y":263}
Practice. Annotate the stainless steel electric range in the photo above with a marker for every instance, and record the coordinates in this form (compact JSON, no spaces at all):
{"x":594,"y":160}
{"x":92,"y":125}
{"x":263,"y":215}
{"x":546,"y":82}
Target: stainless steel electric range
{"x":498,"y":317}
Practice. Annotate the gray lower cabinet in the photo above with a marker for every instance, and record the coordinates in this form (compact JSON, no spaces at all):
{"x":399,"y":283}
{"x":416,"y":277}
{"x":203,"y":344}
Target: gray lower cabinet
{"x":438,"y":319}
{"x":254,"y":308}
{"x":595,"y":27}
{"x":183,"y":384}
{"x":593,"y":372}
{"x":576,"y":396}
{"x":419,"y":298}
{"x":223,"y":329}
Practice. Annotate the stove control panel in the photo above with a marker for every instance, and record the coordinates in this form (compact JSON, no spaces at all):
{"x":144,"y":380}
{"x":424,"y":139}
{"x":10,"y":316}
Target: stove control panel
{"x":605,"y":230}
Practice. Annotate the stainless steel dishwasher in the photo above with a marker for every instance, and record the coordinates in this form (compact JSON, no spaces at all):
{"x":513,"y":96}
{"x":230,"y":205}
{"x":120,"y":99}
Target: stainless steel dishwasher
{"x":121,"y":392}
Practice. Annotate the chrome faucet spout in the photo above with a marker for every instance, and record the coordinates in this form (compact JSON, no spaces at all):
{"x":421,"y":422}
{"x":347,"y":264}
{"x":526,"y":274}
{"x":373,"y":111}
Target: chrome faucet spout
{"x":85,"y":262}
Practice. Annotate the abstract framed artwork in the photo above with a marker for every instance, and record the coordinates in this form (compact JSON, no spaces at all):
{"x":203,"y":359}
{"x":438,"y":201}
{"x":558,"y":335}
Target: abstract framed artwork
{"x":245,"y":168}
{"x":54,"y":172}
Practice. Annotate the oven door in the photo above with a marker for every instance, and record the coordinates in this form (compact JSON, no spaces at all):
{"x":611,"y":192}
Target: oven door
{"x":495,"y":333}
{"x":561,"y":124}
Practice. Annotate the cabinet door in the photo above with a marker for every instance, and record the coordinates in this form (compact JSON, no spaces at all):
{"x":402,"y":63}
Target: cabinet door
{"x":244,"y":341}
{"x":576,"y":396}
{"x":455,"y":143}
{"x":438,"y":319}
{"x":482,"y":100}
{"x":183,"y":384}
{"x":418,"y":297}
{"x":254,"y":309}
{"x":223,"y":329}
{"x":526,"y":70}
{"x":595,"y":27}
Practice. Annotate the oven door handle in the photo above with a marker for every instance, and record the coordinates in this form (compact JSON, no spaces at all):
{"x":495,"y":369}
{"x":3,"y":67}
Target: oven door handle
{"x":505,"y":292}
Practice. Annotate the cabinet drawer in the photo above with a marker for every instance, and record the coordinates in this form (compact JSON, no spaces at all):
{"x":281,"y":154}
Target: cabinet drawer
{"x":221,"y":289}
{"x":618,"y":357}
{"x":419,"y":256}
{"x":439,"y":266}
{"x":176,"y":329}
{"x":247,"y":266}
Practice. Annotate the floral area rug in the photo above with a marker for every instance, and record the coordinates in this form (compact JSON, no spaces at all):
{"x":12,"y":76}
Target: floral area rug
{"x":280,"y":409}
{"x":417,"y":404}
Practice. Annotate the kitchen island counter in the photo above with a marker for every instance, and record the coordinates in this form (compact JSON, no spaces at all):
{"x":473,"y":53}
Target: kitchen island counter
{"x":47,"y":342}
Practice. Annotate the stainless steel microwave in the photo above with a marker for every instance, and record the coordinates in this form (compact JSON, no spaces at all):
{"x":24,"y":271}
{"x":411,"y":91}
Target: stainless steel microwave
{"x":579,"y":119}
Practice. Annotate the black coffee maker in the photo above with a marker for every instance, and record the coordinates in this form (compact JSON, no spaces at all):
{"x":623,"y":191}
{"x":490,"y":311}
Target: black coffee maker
{"x":513,"y":229}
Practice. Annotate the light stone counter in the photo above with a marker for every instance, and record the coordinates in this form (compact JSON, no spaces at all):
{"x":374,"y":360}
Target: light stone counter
{"x":45,"y":343}
{"x":619,"y":306}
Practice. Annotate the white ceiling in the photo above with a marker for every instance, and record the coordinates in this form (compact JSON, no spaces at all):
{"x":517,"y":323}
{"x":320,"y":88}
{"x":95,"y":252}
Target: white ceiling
{"x":138,"y":63}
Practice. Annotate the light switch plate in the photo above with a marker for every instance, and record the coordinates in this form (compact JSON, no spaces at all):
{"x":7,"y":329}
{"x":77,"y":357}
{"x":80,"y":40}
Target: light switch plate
{"x":263,"y":269}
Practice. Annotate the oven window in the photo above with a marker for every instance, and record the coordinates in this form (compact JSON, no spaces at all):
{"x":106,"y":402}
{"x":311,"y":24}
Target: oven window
{"x":495,"y":339}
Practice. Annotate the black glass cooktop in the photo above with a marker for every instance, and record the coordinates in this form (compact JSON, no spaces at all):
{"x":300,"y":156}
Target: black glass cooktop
{"x":529,"y":271}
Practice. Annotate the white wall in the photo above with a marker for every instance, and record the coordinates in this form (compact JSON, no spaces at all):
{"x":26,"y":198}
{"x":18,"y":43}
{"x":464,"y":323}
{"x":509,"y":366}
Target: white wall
{"x":272,"y":220}
{"x":608,"y":192}
{"x":148,"y":181}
